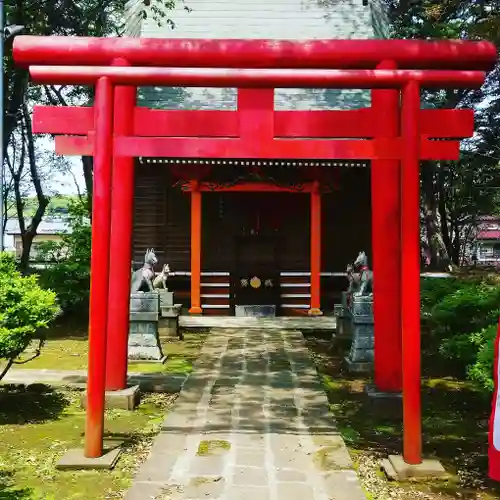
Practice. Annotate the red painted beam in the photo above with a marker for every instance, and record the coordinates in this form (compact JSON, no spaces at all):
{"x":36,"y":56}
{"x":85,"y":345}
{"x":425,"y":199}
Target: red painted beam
{"x":249,"y":187}
{"x":278,"y":149}
{"x":120,"y":249}
{"x":255,"y":78}
{"x":410,"y":275}
{"x":99,"y":267}
{"x":367,"y":54}
{"x":355,"y":123}
{"x":386,"y":241}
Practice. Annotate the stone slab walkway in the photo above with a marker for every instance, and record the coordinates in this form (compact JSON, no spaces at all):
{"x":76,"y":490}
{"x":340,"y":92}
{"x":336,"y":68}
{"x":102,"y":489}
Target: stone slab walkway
{"x":251,"y":422}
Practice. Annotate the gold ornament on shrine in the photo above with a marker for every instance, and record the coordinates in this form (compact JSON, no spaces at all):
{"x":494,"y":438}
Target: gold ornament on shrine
{"x":255,"y":282}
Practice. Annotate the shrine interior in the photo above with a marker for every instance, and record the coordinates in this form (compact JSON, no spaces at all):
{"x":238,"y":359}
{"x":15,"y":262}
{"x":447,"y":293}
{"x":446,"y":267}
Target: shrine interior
{"x":266,"y":233}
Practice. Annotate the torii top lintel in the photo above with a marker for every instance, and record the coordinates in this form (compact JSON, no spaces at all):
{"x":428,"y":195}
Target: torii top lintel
{"x":234,"y":53}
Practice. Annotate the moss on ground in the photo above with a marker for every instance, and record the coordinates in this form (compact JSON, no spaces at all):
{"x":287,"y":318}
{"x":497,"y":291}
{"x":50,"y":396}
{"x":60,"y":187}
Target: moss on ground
{"x":455,"y":430}
{"x":68,"y":350}
{"x":38,"y":426}
{"x":213,"y":447}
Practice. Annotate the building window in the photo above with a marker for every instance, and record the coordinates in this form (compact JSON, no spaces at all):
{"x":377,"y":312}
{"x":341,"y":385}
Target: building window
{"x":485,"y":250}
{"x":496,"y":250}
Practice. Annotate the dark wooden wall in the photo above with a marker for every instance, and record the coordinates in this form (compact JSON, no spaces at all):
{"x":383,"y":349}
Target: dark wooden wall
{"x":162,"y":221}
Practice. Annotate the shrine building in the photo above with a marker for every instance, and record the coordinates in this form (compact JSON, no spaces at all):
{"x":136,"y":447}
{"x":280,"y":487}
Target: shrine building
{"x":255,"y":214}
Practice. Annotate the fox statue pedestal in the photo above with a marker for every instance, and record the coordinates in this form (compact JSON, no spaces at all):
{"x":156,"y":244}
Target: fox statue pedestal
{"x":343,"y":315}
{"x":360,"y":359}
{"x":169,"y":312}
{"x":143,"y":339}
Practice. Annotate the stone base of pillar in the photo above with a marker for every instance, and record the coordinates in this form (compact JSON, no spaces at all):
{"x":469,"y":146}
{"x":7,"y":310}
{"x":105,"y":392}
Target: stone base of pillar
{"x":372,"y":392}
{"x":315,"y":311}
{"x":398,"y":470}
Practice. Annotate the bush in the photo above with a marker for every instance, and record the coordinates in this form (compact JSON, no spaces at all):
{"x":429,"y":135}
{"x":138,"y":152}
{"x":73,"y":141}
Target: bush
{"x":69,"y":272}
{"x":433,"y":290}
{"x":25,"y":308}
{"x":467,"y":310}
{"x":481,"y":371}
{"x":463,"y":317}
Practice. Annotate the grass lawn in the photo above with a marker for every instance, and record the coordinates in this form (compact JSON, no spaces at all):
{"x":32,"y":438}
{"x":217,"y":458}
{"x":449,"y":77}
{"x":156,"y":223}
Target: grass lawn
{"x":66,"y":348}
{"x":39,"y":425}
{"x":455,"y":430}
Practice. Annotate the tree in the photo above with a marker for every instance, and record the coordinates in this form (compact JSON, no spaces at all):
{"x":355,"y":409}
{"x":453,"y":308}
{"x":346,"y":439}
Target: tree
{"x":54,"y":17}
{"x":454,"y":194}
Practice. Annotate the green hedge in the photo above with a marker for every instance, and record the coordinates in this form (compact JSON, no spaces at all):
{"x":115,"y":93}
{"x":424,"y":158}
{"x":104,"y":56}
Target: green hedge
{"x":462,"y":316}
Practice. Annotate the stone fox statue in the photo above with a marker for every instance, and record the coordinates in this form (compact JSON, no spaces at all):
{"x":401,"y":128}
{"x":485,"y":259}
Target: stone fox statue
{"x":142,"y":279}
{"x":353,"y":278}
{"x":161,"y":279}
{"x":366,"y":275}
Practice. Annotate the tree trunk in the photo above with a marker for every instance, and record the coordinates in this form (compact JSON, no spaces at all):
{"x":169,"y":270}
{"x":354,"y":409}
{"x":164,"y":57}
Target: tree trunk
{"x":12,"y":104}
{"x":88,"y":168}
{"x":43,"y":201}
{"x":443,"y":214}
{"x":439,"y":253}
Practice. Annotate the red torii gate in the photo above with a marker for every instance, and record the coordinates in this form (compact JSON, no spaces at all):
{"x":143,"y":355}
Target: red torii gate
{"x":260,"y":65}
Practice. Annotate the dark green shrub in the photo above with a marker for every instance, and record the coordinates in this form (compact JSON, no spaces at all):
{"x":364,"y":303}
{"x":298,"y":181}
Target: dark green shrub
{"x":462,"y":316}
{"x":433,"y":290}
{"x":69,"y":272}
{"x":467,"y":310}
{"x":481,"y":371}
{"x":25,"y":308}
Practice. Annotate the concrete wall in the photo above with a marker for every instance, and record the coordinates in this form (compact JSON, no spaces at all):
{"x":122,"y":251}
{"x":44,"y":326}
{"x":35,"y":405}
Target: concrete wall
{"x":271,"y":19}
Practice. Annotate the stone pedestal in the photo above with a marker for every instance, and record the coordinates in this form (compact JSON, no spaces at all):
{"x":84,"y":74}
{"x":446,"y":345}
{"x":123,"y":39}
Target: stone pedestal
{"x":166,"y":298}
{"x":169,"y":312}
{"x":360,"y":358}
{"x":168,"y":328}
{"x":343,"y":315}
{"x":143,"y":339}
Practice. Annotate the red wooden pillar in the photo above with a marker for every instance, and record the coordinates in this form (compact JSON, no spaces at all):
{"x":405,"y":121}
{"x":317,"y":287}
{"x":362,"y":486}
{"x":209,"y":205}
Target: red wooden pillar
{"x":195,"y":249}
{"x":122,"y":203}
{"x":315,"y":309}
{"x":410,"y":269}
{"x":386,"y":245}
{"x":99,"y":276}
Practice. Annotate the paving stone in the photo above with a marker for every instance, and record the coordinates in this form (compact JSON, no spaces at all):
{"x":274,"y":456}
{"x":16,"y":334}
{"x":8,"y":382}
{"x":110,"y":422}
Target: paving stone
{"x":285,"y":459}
{"x":207,"y":465}
{"x":247,"y":493}
{"x":343,"y":485}
{"x":157,"y":469}
{"x":247,"y":440}
{"x":295,"y":491}
{"x":248,"y":476}
{"x":169,"y":443}
{"x":250,"y":457}
{"x":291,"y":475}
{"x":204,"y":487}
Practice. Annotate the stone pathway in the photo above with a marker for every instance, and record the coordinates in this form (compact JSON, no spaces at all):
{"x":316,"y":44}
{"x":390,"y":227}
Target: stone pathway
{"x":251,"y":422}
